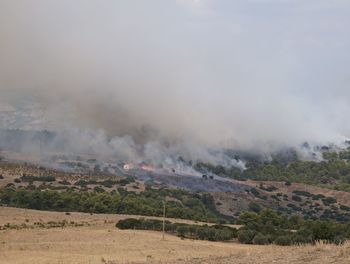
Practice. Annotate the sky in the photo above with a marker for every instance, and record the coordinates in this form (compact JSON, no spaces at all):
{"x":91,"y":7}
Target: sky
{"x":226,"y":73}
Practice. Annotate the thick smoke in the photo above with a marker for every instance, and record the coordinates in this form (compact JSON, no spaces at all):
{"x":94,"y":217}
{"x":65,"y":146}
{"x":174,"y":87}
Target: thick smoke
{"x":179,"y":78}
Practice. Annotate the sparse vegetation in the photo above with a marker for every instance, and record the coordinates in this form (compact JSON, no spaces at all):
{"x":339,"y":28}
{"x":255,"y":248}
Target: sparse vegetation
{"x":46,"y":225}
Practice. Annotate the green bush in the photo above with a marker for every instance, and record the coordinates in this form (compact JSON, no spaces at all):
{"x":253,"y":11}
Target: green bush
{"x":339,"y":239}
{"x":246,"y":236}
{"x":126,"y":181}
{"x":254,"y":207}
{"x":109,"y":183}
{"x":296,"y":198}
{"x":294,"y":207}
{"x":300,"y":238}
{"x":283,"y":240}
{"x":182,"y":231}
{"x":302,"y":193}
{"x":344,"y":207}
{"x":99,"y":189}
{"x":261,"y":239}
{"x":329,"y":200}
{"x":130,"y":223}
{"x":318,"y":196}
{"x":81,"y":183}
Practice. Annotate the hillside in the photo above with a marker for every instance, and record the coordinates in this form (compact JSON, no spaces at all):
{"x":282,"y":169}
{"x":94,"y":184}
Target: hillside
{"x":294,"y":198}
{"x":291,"y":198}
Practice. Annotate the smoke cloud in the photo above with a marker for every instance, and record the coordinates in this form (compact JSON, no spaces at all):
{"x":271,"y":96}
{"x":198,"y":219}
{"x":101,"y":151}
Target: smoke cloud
{"x":125,"y":77}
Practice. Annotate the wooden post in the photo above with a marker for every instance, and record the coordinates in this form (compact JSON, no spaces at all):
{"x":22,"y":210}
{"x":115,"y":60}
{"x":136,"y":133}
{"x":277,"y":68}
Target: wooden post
{"x":163,"y":220}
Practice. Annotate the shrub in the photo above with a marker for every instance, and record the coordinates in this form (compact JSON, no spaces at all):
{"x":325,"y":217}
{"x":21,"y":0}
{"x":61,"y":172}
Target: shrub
{"x":255,"y":192}
{"x":283,"y":240}
{"x":318,"y":196}
{"x":64,"y":182}
{"x":246,"y":236}
{"x":261,"y":239}
{"x":339,"y":240}
{"x":300,"y":239}
{"x":275,"y":197}
{"x":30,"y":179}
{"x":254,"y":207}
{"x":296,"y":198}
{"x":130,"y":223}
{"x":227,"y":231}
{"x":288,"y":183}
{"x":329,"y":200}
{"x":98,"y":189}
{"x":344,"y":207}
{"x":268,"y":188}
{"x":182,"y":230}
{"x":81,"y":183}
{"x":109,"y":183}
{"x":302,"y":193}
{"x":126,"y":181}
{"x":322,"y":230}
{"x":294,"y":207}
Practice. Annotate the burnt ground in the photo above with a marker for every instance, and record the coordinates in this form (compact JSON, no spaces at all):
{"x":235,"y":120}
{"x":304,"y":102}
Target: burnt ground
{"x":192,"y":182}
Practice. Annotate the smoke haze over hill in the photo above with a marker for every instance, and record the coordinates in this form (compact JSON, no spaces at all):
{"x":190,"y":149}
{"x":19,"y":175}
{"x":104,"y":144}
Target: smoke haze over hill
{"x":180,"y":76}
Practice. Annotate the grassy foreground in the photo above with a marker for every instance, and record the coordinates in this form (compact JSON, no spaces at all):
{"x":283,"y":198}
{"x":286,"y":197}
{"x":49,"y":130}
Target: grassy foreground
{"x":98,"y":241}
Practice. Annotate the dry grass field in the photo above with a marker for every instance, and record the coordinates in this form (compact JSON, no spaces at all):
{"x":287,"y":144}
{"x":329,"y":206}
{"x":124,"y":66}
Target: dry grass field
{"x":98,"y":241}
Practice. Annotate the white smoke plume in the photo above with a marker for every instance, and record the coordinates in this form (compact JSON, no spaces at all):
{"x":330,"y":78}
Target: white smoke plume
{"x":180,"y":78}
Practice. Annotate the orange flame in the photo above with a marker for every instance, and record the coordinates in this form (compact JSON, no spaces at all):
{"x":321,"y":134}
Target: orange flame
{"x":147,"y":167}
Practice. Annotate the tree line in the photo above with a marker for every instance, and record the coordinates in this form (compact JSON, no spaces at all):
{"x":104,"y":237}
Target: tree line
{"x":201,"y":232}
{"x":183,"y":204}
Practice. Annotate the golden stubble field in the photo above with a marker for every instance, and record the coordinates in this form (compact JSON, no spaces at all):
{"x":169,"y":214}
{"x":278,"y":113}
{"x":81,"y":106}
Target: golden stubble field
{"x":98,"y":241}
